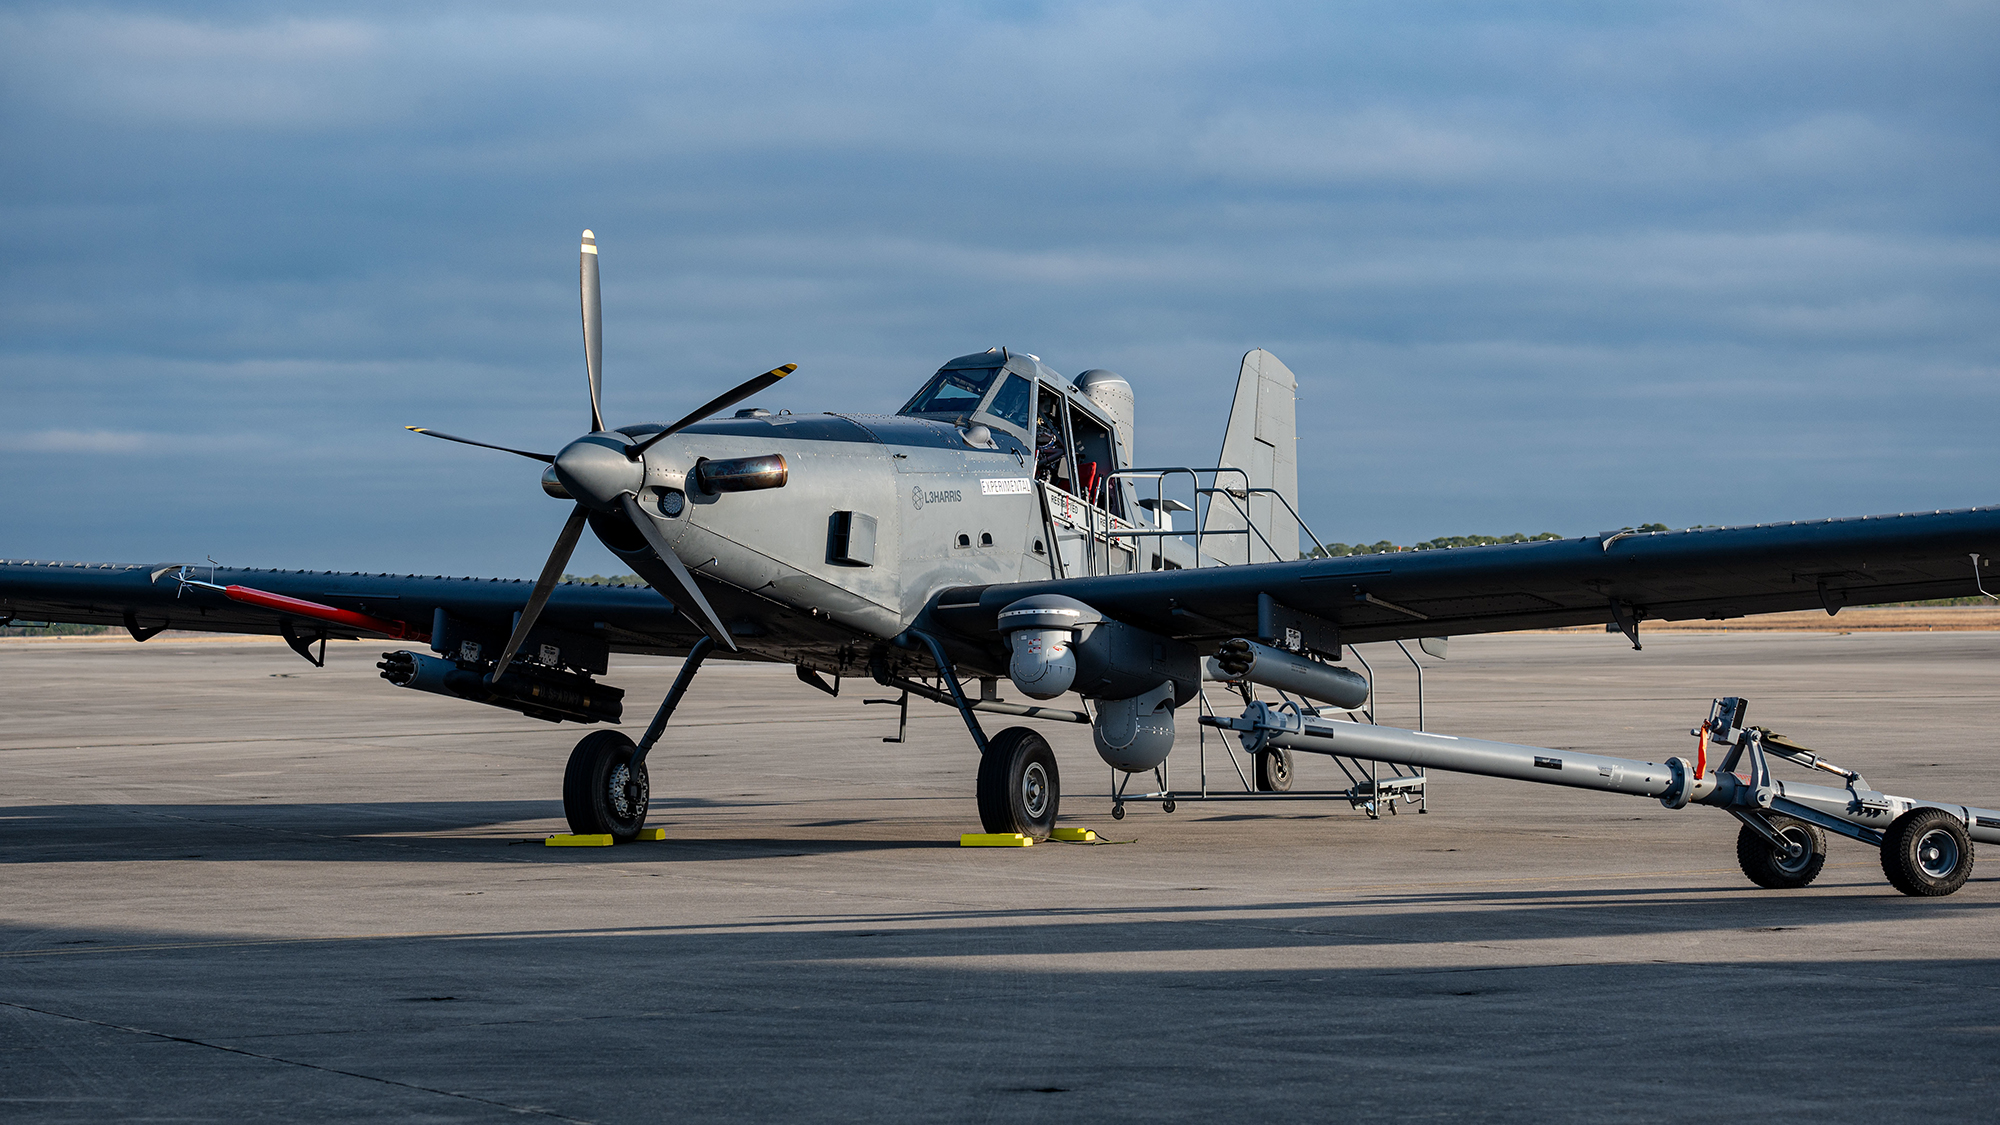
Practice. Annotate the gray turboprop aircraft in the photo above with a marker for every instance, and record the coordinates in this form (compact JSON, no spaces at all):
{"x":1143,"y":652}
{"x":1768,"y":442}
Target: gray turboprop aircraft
{"x":996,"y":529}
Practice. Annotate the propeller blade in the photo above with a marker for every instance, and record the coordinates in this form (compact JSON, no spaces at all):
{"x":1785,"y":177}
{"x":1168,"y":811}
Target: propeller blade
{"x":544,"y":458}
{"x":551,"y":573}
{"x":708,"y":622}
{"x":593,"y":328}
{"x":720,"y":402}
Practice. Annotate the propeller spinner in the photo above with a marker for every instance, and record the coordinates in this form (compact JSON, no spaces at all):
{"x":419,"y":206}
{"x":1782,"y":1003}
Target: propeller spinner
{"x":603,"y":470}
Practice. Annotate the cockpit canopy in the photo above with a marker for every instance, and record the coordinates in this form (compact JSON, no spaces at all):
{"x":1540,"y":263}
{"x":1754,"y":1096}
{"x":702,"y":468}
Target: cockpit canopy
{"x":1075,"y":440}
{"x":960,"y":387}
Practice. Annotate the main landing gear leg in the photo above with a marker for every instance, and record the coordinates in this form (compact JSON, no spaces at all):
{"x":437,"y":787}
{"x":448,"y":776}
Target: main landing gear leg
{"x":1019,"y":789}
{"x":605,"y":790}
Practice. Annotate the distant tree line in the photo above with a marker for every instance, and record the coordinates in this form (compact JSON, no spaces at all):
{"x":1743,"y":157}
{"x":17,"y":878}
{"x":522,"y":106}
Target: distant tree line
{"x":1385,"y":547}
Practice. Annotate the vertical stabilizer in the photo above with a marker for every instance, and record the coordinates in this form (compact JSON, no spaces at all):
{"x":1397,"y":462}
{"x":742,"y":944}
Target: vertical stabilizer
{"x":1261,"y":440}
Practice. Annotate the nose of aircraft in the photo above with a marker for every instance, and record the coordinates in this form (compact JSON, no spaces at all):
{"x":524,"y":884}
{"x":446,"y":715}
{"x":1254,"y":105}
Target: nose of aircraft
{"x":596,"y":470}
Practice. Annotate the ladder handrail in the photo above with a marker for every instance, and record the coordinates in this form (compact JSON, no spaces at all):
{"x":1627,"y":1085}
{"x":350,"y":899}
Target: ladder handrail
{"x":1160,"y":473}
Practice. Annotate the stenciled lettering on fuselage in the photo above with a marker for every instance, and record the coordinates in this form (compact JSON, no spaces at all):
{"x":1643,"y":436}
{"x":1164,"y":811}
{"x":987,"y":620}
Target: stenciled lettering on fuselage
{"x":1004,"y":486}
{"x":920,"y":496}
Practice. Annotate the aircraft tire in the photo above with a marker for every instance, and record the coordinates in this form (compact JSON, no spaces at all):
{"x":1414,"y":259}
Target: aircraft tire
{"x":1767,"y":868}
{"x":1274,"y":771}
{"x":1019,"y":788}
{"x":1927,"y":852}
{"x":596,"y":792}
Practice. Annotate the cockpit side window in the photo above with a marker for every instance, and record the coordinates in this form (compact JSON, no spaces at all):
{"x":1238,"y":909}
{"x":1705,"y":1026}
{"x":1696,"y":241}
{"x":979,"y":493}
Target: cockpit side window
{"x":1095,"y":464}
{"x":1014,"y":401}
{"x":953,"y":392}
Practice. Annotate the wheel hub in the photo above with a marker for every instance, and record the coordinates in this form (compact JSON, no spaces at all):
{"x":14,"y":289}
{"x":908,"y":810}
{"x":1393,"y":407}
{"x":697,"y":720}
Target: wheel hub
{"x":1937,"y":853}
{"x":1793,"y":854}
{"x":627,"y":795}
{"x":1035,"y":790}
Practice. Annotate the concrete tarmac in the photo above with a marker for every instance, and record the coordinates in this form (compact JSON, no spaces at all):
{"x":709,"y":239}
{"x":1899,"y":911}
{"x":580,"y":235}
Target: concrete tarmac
{"x":234,"y":886}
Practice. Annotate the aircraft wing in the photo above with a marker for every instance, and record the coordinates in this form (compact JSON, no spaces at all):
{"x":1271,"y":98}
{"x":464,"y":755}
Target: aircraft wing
{"x":145,"y":598}
{"x":1618,"y":578}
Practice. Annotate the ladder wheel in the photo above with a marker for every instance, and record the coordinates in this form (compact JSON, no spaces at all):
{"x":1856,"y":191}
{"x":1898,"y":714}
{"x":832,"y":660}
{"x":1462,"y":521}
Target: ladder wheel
{"x":1274,"y":771}
{"x":1778,"y":870}
{"x":1019,"y":788}
{"x":1927,"y":852}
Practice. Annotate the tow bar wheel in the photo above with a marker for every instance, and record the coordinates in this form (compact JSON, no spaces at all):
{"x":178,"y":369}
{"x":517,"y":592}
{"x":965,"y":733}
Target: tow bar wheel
{"x":602,"y":793}
{"x":1795,"y":865}
{"x":1019,"y":788}
{"x":1927,"y":852}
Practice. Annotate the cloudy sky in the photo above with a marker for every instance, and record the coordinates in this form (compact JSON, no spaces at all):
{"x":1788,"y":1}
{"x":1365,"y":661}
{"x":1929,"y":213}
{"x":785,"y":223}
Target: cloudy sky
{"x":1539,"y":266}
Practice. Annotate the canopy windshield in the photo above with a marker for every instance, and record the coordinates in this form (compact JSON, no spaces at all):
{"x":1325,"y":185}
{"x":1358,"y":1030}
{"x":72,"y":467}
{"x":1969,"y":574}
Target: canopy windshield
{"x":953,"y":392}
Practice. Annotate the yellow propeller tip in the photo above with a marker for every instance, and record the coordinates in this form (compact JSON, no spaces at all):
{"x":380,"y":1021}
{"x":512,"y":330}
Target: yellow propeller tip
{"x":414,"y":429}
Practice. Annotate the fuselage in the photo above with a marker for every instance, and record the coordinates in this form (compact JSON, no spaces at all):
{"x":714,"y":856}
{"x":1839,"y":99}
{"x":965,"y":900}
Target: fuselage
{"x":877,"y":513}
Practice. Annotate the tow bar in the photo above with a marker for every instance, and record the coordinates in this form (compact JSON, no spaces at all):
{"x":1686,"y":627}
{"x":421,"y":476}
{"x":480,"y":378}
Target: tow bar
{"x":1927,"y":846}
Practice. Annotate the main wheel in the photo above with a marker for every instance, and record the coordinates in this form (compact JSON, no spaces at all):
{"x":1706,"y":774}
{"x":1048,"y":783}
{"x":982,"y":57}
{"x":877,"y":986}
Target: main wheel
{"x":1782,"y":869}
{"x":1018,"y":785}
{"x":1927,"y":852}
{"x":1274,"y":771}
{"x":602,"y":793}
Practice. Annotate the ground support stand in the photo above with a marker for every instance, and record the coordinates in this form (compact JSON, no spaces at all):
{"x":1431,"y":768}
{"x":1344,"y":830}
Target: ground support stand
{"x":1367,"y":789}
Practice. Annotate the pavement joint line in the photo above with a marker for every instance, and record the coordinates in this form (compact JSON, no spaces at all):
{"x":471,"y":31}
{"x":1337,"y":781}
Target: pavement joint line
{"x":525,"y":1111}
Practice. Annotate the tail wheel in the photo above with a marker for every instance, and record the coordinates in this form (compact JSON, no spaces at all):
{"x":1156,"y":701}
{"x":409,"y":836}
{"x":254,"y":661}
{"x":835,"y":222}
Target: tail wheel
{"x":602,"y":793}
{"x":1019,"y":788}
{"x":1927,"y":852}
{"x":1274,"y":771}
{"x":1794,"y":865}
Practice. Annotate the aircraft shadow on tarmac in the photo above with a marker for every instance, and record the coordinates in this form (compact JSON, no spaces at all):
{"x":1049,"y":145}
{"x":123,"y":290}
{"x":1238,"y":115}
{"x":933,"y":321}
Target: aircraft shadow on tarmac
{"x":368,"y":832}
{"x":397,"y":833}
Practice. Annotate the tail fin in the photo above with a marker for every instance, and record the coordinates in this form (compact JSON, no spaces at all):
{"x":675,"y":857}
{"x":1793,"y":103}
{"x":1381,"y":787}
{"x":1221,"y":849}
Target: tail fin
{"x":1262,"y":441}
